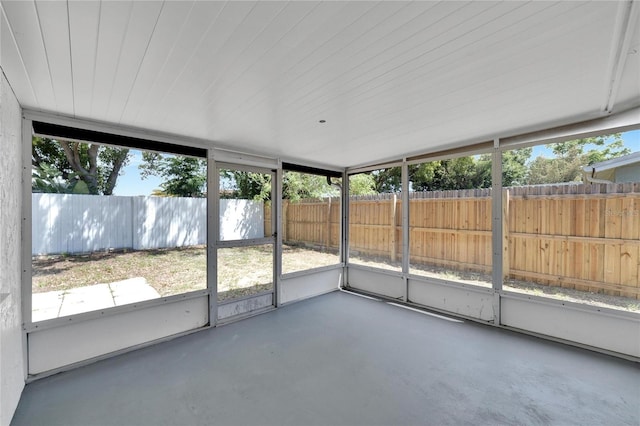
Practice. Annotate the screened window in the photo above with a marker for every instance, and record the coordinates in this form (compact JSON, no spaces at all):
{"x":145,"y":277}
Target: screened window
{"x":572,"y":221}
{"x":113,"y":226}
{"x":311,"y":214}
{"x":450,"y":219}
{"x":375,"y":219}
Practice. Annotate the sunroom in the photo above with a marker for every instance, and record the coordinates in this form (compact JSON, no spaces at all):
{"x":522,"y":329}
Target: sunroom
{"x":319,"y":212}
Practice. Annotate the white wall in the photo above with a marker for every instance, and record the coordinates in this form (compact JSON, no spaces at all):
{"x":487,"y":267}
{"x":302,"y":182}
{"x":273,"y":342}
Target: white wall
{"x":11,"y":349}
{"x":83,"y":340}
{"x":630,"y":173}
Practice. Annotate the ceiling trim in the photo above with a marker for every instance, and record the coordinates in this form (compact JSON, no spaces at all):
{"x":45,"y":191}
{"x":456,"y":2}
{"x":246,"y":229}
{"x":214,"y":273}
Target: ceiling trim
{"x":169,"y":138}
{"x":623,"y":34}
{"x":83,"y":135}
{"x":620,"y":122}
{"x":98,"y":126}
{"x":463,"y":151}
{"x":372,"y":167}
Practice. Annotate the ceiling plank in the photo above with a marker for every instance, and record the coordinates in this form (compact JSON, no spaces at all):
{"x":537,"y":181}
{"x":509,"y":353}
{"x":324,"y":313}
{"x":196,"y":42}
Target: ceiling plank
{"x":389,"y":78}
{"x":188,"y":75}
{"x":624,"y":30}
{"x":255,"y":23}
{"x":343,"y":15}
{"x":180,"y":27}
{"x":355,"y":27}
{"x":84,"y":24}
{"x":139,"y":33}
{"x":112,"y":28}
{"x":25,"y":26}
{"x":259,"y":51}
{"x":54,"y":24}
{"x":12,"y":64}
{"x":506,"y":63}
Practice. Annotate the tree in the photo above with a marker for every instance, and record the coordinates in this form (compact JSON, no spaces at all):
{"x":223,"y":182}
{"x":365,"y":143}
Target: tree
{"x":362,"y":184}
{"x":297,"y":186}
{"x":554,"y":170}
{"x":572,"y":156}
{"x":387,"y":180}
{"x":452,"y":174}
{"x":184,"y":176}
{"x":64,"y":164}
{"x":514,"y":168}
{"x":245,"y":185}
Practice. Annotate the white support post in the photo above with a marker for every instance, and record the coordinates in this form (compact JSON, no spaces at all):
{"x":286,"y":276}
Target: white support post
{"x":276,"y":216}
{"x":344,"y":229}
{"x":213,"y":232}
{"x":496,"y":227}
{"x":405,"y":228}
{"x":26,"y":276}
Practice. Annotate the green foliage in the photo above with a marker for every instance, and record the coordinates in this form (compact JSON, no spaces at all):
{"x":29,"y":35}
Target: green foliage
{"x":572,"y":156}
{"x":184,"y":176}
{"x":376,"y":182}
{"x":48,"y":179}
{"x":75,"y":167}
{"x":297,"y":186}
{"x":453,"y":174}
{"x":387,"y":180}
{"x":249,"y":185}
{"x":257,"y":186}
{"x":362,"y":184}
{"x":554,"y":170}
{"x":514,"y":166}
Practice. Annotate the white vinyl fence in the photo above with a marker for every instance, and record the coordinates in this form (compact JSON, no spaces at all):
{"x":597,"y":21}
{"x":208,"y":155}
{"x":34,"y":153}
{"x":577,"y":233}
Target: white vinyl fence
{"x":70,"y":223}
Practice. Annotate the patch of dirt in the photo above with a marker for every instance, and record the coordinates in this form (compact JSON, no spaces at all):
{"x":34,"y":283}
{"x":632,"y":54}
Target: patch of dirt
{"x":517,"y":286}
{"x":243,"y":271}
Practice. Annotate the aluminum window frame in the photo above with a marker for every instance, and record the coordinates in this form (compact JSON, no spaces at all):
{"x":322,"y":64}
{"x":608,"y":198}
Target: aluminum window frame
{"x":318,"y":171}
{"x":28,"y":133}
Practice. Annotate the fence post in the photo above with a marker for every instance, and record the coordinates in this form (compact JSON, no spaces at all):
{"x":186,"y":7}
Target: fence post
{"x":267,"y":211}
{"x":328,"y":225}
{"x":506,"y":254}
{"x":135,"y":226}
{"x":392,"y":233}
{"x":285,"y":224}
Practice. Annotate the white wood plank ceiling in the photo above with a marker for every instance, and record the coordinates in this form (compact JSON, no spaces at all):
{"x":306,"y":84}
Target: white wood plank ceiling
{"x":389,"y":78}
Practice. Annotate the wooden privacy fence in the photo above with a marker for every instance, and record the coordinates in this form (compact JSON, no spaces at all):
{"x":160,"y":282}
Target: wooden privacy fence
{"x":311,"y":222}
{"x":585,"y":237}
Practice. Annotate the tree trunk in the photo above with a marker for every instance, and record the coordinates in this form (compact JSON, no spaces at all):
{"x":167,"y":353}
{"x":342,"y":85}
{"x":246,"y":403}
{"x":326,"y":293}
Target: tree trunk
{"x":118,"y":161}
{"x":90,"y":177}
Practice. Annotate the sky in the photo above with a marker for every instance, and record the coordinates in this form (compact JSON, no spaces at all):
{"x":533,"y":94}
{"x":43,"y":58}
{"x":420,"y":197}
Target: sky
{"x":130,"y":182}
{"x":631,"y":141}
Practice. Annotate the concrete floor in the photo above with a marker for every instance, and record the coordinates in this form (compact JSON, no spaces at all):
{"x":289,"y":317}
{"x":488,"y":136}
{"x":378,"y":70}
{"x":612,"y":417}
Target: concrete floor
{"x":340,"y":359}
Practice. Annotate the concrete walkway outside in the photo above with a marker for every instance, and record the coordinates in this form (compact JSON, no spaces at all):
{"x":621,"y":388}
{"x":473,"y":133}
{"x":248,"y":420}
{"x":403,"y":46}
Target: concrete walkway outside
{"x":54,"y":304}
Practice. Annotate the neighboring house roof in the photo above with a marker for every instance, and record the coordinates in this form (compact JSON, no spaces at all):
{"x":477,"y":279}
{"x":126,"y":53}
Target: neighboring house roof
{"x":606,"y":170}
